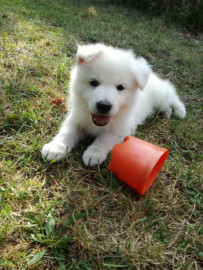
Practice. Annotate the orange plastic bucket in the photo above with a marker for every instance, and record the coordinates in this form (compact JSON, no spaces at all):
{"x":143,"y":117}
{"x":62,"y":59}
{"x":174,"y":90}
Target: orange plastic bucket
{"x":137,"y":162}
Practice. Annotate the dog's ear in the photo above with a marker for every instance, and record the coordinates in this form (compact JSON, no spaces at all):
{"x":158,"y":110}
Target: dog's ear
{"x":87,"y":53}
{"x":141,"y":71}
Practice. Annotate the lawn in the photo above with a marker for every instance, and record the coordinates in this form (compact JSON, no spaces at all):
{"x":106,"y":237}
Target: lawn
{"x":63,"y":215}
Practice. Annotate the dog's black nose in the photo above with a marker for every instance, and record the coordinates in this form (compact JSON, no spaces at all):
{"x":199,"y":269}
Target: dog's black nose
{"x":104,"y":106}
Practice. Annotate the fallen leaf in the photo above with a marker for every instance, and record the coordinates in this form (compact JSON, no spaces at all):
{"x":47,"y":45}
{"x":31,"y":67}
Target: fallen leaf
{"x":134,"y":218}
{"x":57,"y":101}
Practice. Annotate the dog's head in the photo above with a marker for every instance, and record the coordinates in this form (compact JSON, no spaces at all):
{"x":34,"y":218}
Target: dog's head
{"x":107,"y":78}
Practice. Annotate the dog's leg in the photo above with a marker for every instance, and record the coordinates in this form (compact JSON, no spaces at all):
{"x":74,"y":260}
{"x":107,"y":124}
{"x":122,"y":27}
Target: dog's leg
{"x":179,"y":107}
{"x":69,"y":135}
{"x":97,"y":152}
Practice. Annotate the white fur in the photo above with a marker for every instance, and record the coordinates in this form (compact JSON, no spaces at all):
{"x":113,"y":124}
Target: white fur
{"x":144,"y":93}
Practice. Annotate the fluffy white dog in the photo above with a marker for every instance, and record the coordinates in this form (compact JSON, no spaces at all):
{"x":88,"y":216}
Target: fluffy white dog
{"x":111,"y":93}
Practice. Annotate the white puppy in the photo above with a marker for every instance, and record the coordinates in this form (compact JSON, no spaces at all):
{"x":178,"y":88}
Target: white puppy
{"x":111,"y":93}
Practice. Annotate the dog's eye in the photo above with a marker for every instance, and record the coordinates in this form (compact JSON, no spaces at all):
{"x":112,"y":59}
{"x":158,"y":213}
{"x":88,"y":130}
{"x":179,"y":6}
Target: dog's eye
{"x":120,"y":87}
{"x":94,"y":83}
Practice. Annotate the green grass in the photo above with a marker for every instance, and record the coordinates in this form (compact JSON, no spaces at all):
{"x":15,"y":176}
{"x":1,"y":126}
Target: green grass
{"x":62,"y":215}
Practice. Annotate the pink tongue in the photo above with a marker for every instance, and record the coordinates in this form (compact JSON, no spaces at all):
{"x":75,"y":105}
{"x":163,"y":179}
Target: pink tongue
{"x":100,"y":120}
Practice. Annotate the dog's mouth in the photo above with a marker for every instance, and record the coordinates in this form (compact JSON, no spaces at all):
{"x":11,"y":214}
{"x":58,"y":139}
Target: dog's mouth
{"x":100,"y":119}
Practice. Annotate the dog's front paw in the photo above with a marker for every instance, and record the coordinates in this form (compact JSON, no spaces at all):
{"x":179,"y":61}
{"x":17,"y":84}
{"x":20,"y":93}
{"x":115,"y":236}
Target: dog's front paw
{"x":92,"y":157}
{"x":54,"y":150}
